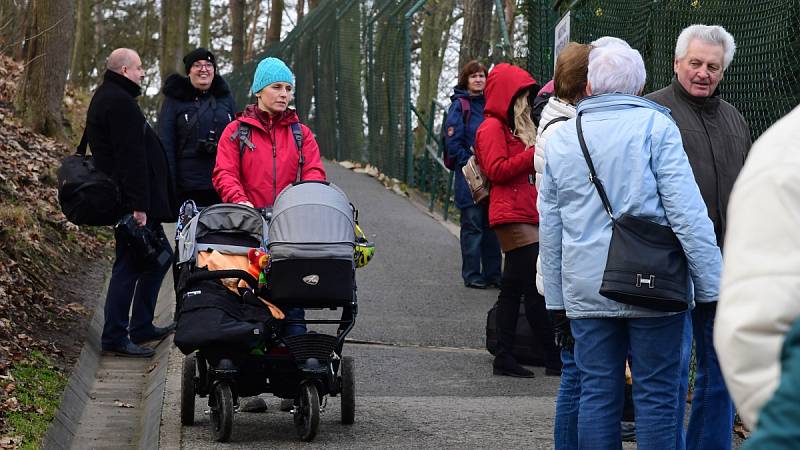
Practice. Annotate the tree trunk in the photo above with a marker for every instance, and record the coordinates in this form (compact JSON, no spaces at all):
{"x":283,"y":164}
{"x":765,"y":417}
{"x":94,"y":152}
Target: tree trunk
{"x":477,"y":31}
{"x":175,"y":36}
{"x":275,"y":19}
{"x":237,"y":33}
{"x":251,"y":33}
{"x":205,"y":24}
{"x":14,"y":23}
{"x":41,"y":94}
{"x":510,"y":11}
{"x":82,"y":57}
{"x":350,"y":104}
{"x":434,"y":28}
{"x":300,"y":8}
{"x":312,"y":4}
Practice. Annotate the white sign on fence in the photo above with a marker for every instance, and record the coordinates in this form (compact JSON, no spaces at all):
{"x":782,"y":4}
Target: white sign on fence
{"x":561,"y":37}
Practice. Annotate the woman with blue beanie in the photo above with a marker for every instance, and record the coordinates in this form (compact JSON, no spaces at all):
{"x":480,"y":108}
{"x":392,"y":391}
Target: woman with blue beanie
{"x":258,"y":155}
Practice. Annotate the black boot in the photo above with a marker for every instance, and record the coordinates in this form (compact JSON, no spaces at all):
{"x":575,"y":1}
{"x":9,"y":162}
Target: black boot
{"x":507,"y":365}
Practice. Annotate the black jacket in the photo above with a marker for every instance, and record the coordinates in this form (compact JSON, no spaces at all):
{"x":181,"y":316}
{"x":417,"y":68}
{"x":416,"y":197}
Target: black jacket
{"x":127,"y":148}
{"x":716,"y":139}
{"x":180,"y":128}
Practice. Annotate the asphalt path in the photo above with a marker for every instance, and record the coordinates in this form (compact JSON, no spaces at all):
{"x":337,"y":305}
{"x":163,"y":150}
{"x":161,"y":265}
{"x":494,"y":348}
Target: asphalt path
{"x":423,"y":377}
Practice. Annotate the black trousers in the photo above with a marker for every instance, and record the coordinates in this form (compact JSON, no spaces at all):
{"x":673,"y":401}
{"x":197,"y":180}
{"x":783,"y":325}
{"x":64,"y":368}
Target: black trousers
{"x":519,"y":284}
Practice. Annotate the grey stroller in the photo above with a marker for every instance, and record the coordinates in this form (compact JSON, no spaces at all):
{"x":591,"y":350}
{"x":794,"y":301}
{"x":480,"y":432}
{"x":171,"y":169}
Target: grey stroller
{"x":235,"y":345}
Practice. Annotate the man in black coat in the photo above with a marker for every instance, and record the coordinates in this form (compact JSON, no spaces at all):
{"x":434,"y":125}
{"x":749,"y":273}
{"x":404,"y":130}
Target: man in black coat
{"x":125,"y":147}
{"x":716,"y":139}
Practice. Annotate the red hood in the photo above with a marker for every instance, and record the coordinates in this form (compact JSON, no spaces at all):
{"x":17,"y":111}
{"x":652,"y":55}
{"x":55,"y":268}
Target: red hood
{"x":502,"y":85}
{"x":262,"y":118}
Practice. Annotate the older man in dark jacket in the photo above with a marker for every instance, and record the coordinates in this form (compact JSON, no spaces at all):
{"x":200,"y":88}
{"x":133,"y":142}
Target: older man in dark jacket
{"x":716,"y":139}
{"x":125,"y":147}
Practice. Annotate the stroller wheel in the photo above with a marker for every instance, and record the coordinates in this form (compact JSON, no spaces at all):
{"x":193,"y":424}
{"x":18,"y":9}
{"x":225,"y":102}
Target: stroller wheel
{"x":222,"y":412}
{"x":306,"y":415}
{"x":348,"y":391}
{"x":188,"y":389}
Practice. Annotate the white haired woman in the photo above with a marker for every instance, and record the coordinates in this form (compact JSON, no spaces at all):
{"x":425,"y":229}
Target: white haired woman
{"x":637,"y":153}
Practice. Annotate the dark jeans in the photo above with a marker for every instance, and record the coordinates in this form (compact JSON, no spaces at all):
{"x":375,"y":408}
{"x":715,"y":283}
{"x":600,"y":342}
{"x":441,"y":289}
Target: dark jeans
{"x":519,"y":283}
{"x":480,"y":251}
{"x":565,"y":430}
{"x":131,"y":284}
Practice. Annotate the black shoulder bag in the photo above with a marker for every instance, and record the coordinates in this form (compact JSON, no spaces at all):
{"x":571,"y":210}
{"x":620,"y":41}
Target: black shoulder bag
{"x":87,"y":195}
{"x":646,"y":264}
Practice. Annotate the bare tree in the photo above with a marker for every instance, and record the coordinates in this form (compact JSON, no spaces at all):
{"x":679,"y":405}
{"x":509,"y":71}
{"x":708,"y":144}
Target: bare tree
{"x":300,"y":8}
{"x":205,"y":24}
{"x":275,"y":19}
{"x":237,"y":33}
{"x":477,"y":31}
{"x":175,"y":35}
{"x":40,"y":98}
{"x":82,"y":55}
{"x":251,"y":32}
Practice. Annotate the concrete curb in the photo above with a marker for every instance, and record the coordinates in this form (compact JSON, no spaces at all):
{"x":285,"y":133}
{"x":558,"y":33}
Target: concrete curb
{"x":76,"y":395}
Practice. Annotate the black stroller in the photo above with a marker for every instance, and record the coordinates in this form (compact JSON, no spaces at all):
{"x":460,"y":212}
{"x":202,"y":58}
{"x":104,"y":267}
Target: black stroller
{"x":234,"y":342}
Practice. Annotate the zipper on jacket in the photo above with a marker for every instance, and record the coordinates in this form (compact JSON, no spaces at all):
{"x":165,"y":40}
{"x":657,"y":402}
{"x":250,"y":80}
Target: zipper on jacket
{"x":274,"y":166}
{"x":716,"y":177}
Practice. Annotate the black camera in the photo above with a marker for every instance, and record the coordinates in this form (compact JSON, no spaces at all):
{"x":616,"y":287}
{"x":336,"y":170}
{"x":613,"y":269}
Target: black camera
{"x":208,"y":146}
{"x":150,"y":248}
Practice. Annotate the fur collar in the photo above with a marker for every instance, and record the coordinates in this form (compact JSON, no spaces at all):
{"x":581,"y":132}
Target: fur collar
{"x":180,"y":88}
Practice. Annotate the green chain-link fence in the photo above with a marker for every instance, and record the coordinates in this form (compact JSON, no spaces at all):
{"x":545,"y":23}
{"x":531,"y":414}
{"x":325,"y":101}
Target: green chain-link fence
{"x":763,"y":81}
{"x":351,"y":59}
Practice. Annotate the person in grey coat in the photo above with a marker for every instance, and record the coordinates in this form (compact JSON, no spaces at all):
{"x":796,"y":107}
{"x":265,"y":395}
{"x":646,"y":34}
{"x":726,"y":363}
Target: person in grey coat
{"x":716,"y":139}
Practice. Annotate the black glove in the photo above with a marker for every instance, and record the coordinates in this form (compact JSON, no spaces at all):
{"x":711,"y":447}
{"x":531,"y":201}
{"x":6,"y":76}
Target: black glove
{"x":706,"y":311}
{"x":561,"y":329}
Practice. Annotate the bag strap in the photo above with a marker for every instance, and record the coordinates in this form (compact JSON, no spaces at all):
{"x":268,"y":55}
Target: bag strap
{"x":82,"y":146}
{"x":210,"y":103}
{"x":556,"y":120}
{"x":243,"y":134}
{"x":297,"y":132}
{"x":592,"y":174}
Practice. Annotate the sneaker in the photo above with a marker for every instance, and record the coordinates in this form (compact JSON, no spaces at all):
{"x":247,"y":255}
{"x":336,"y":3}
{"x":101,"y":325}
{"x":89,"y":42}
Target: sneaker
{"x":628,"y":430}
{"x":476,"y":284}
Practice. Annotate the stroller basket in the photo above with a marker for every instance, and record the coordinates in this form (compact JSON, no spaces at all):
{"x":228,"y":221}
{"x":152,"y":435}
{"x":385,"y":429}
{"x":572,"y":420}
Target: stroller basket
{"x":311,"y":345}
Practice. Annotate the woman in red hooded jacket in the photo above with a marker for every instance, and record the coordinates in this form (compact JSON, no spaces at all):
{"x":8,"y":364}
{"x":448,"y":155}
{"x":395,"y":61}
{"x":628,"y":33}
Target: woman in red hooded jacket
{"x":271,"y":159}
{"x":504,"y":148}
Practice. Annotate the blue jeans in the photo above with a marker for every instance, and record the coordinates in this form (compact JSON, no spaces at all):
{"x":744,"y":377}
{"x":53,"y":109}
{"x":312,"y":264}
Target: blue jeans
{"x":480,"y":251}
{"x":131,"y":284}
{"x":601,"y":347}
{"x":565,"y":431}
{"x":295,"y":329}
{"x":712,"y":412}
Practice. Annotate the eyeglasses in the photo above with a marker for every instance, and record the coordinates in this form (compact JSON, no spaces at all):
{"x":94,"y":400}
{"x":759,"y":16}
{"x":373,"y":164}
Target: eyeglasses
{"x":201,"y":66}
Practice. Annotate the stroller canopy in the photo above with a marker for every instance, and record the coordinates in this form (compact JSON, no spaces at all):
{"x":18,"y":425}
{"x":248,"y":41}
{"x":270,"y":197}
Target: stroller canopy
{"x":312,"y":220}
{"x":226,"y":227}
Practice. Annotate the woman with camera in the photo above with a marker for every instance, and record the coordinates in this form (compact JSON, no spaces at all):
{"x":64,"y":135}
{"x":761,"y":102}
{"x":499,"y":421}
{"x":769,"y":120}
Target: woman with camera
{"x":196,"y":109}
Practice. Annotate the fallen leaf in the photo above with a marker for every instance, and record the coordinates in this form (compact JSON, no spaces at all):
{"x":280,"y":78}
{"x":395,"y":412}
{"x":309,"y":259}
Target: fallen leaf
{"x":120,"y":404}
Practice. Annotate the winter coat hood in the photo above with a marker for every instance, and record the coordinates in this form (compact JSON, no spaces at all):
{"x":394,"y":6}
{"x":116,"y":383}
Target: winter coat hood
{"x":263,"y":120}
{"x":460,"y":93}
{"x":179,"y":87}
{"x":504,"y":83}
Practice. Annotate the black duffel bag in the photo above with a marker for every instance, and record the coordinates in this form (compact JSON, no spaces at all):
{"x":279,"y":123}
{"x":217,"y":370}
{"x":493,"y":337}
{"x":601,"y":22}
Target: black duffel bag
{"x":646,"y":264}
{"x":212,"y":315}
{"x":87,"y":195}
{"x":527,"y":347}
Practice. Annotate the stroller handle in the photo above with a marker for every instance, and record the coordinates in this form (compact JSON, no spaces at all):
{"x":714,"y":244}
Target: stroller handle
{"x":219,"y":274}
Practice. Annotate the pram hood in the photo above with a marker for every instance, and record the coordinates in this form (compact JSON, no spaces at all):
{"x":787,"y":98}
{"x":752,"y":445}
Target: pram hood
{"x":225,"y":218}
{"x":312,"y":220}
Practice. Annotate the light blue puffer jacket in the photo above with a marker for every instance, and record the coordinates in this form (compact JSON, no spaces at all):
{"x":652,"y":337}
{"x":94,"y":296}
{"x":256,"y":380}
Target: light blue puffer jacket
{"x":637,"y":153}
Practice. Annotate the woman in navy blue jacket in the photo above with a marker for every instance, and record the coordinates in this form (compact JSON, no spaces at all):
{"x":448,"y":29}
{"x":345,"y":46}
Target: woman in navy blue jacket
{"x":196,"y":110}
{"x":480,"y":251}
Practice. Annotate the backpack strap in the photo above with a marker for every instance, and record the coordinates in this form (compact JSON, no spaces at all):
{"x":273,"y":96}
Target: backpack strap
{"x":466,"y":111}
{"x":243,"y":134}
{"x":557,"y":119}
{"x":84,"y":141}
{"x":297,"y":132}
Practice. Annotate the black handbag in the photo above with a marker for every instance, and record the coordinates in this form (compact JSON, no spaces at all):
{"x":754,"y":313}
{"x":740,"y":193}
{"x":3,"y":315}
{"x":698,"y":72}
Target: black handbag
{"x":87,"y":195}
{"x":646,"y":264}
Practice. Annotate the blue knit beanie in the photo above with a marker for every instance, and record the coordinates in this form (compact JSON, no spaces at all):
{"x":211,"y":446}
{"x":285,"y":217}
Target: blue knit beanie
{"x":271,"y":70}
